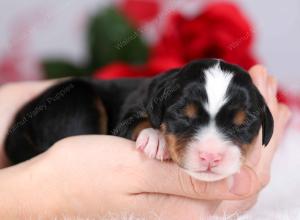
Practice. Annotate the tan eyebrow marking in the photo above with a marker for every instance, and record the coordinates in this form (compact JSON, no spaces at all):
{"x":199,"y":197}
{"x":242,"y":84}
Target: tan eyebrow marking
{"x":239,"y":118}
{"x":103,"y":121}
{"x":191,"y":110}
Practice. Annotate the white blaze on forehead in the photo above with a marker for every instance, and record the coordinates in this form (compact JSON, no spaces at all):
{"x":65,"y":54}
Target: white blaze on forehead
{"x":216,"y":84}
{"x":209,"y":139}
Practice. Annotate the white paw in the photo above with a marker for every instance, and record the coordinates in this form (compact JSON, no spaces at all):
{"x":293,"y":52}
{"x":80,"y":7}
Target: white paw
{"x":152,"y":143}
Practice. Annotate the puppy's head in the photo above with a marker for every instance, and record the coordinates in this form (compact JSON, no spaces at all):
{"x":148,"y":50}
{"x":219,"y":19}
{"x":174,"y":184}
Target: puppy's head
{"x":210,"y":112}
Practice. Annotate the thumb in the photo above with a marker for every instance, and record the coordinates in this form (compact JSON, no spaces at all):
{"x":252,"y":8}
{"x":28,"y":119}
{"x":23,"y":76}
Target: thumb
{"x":170,"y":179}
{"x":244,"y":184}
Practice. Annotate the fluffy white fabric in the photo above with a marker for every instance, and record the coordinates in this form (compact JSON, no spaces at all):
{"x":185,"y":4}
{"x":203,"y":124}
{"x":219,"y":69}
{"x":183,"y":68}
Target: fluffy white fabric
{"x":281,"y":198}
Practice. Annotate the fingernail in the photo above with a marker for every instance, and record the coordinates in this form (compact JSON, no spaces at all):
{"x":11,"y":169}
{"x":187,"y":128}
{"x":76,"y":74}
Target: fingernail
{"x":241,"y":183}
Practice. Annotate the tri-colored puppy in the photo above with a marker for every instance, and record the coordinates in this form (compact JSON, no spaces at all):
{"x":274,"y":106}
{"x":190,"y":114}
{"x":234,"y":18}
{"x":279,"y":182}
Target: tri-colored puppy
{"x":203,"y":116}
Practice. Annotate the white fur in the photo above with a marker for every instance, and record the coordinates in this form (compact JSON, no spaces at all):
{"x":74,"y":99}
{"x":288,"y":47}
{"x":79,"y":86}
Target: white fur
{"x":216,"y":84}
{"x":152,"y":143}
{"x":211,"y":141}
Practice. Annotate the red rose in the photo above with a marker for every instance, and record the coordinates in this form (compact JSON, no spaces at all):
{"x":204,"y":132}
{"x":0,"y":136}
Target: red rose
{"x":116,"y":70}
{"x":140,"y":11}
{"x":158,"y":65}
{"x":221,"y":31}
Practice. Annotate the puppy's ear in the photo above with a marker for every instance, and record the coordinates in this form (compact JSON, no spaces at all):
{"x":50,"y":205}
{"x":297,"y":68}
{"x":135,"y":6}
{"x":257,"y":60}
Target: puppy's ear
{"x":267,"y":125}
{"x":161,"y":91}
{"x":266,"y":119}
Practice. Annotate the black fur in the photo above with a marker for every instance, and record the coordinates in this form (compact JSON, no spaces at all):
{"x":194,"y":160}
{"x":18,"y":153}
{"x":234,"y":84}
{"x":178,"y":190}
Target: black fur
{"x":72,"y":108}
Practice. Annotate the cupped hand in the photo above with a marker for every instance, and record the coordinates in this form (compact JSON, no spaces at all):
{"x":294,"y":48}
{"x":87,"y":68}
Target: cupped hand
{"x":93,"y":175}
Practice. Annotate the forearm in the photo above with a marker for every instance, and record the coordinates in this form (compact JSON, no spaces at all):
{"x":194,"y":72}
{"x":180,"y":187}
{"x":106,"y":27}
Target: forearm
{"x":68,"y":180}
{"x":26,"y":192}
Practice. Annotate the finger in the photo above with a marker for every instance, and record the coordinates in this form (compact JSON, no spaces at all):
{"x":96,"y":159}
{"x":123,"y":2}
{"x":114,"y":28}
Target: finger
{"x":259,"y":76}
{"x":254,"y":154}
{"x":235,"y":207}
{"x":266,"y":84}
{"x":272,"y":85}
{"x":271,"y":96}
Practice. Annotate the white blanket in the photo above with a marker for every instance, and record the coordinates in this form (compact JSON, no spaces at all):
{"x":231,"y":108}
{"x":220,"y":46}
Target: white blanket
{"x":280,"y":200}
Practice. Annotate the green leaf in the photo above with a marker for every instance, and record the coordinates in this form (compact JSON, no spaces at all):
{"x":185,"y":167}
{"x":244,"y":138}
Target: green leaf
{"x":112,"y":38}
{"x":55,"y":68}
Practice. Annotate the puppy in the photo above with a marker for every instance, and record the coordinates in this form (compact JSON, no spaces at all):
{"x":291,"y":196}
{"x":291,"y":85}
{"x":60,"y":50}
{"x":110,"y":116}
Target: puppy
{"x":203,"y":116}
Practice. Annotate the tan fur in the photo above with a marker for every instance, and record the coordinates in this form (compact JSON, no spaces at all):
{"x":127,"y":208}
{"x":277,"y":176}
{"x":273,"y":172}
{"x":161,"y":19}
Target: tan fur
{"x":191,"y":110}
{"x":103,"y":120}
{"x":140,"y":126}
{"x":239,"y":118}
{"x":176,"y":148}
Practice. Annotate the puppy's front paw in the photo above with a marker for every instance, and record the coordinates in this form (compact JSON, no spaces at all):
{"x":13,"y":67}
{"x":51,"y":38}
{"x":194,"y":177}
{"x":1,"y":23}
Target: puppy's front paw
{"x":152,"y":143}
